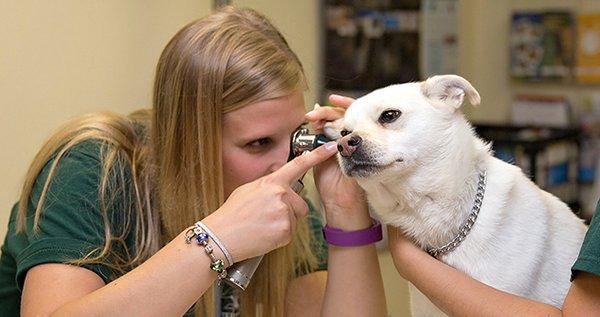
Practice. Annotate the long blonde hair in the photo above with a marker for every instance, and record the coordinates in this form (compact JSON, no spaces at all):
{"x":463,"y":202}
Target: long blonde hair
{"x":227,"y":60}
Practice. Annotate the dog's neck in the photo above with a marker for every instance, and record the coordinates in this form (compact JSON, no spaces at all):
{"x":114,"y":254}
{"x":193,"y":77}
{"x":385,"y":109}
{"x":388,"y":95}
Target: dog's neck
{"x":431,"y":202}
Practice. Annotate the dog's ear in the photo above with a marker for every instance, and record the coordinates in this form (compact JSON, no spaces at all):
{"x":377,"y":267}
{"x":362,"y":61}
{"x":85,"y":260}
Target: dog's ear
{"x":332,"y":129}
{"x":449,"y":90}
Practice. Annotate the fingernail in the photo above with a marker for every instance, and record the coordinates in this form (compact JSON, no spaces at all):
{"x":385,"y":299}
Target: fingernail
{"x":310,"y":113}
{"x":330,"y":146}
{"x":317,"y":106}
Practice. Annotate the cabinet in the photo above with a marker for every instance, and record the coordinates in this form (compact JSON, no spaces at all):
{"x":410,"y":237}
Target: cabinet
{"x":369,"y":44}
{"x":549,"y":156}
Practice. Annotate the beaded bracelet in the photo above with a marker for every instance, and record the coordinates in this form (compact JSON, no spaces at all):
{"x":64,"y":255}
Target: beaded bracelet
{"x":202,"y":238}
{"x":217,"y":242}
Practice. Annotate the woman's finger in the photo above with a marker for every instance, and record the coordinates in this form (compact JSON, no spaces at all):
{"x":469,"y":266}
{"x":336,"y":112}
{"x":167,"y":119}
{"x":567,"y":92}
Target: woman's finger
{"x":294,"y":169}
{"x":340,"y":101}
{"x":299,"y":206}
{"x":318,"y":126}
{"x":325,"y":113}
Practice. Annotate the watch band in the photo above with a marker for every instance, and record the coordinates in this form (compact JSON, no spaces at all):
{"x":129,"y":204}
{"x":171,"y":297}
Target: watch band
{"x":343,"y":238}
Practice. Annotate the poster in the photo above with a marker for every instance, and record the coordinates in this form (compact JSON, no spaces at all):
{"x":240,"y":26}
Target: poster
{"x":541,"y":46}
{"x":588,"y":48}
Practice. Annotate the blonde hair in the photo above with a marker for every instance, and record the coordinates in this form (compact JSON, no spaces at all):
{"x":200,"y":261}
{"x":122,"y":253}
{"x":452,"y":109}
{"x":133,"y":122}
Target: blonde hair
{"x":220,"y":63}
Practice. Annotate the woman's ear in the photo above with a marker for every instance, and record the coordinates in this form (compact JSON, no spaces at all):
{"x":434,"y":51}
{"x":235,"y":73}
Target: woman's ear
{"x":449,"y":91}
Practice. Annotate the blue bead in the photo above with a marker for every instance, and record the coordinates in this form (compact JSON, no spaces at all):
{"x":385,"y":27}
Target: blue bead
{"x":202,"y":237}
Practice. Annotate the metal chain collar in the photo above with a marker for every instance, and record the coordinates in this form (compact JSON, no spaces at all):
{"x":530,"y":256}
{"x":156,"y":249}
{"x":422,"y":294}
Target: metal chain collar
{"x":466,"y":227}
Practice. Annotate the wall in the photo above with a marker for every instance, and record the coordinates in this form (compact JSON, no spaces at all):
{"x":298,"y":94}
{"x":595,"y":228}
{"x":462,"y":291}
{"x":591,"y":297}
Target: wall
{"x":483,"y":55}
{"x":576,"y":93}
{"x":299,"y":22}
{"x":61,"y":60}
{"x":484,"y":27}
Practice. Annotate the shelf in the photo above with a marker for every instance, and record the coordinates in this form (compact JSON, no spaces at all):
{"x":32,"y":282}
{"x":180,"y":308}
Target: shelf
{"x":536,"y":137}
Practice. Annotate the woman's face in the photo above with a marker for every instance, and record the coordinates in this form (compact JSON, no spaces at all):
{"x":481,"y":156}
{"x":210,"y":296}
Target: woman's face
{"x":256,"y":138}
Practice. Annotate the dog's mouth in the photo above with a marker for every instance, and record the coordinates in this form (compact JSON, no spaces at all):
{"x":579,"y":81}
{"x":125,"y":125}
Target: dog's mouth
{"x":362,"y":169}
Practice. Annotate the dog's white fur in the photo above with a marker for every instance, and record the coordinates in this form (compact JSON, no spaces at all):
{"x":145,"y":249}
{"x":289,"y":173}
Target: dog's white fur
{"x":524,"y":240}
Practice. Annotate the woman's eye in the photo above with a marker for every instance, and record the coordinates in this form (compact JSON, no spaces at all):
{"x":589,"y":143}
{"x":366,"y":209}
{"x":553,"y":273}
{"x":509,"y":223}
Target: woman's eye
{"x":344,"y":132}
{"x":389,"y":116}
{"x":259,"y":143}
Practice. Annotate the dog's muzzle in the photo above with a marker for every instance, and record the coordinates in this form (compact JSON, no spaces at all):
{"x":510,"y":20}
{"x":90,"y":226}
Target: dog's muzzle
{"x":357,"y":160}
{"x":348,"y":144}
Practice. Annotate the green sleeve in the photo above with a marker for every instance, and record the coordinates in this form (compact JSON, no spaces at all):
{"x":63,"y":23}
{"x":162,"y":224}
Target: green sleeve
{"x":589,"y":256}
{"x":71,"y":223}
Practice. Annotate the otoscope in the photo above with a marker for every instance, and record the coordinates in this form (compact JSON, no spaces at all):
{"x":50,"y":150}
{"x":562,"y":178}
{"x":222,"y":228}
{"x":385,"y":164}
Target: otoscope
{"x":239,"y":274}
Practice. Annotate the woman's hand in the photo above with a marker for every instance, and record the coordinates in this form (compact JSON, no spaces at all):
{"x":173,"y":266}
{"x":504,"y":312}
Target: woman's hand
{"x":261,"y":216}
{"x":344,"y":201}
{"x":403,"y":250}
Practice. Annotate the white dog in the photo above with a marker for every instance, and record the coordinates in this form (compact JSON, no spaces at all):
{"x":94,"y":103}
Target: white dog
{"x":422,"y":167}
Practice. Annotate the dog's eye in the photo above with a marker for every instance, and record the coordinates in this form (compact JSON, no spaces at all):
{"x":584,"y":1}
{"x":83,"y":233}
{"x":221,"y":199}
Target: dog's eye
{"x":389,"y":116}
{"x":345,"y":132}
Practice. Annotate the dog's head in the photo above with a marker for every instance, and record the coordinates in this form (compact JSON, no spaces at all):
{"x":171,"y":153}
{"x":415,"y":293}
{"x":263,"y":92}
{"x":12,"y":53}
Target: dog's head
{"x":400,"y":127}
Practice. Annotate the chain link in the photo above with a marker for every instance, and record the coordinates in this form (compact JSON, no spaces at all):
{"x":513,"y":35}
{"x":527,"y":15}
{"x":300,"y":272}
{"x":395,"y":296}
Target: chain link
{"x":466,"y":227}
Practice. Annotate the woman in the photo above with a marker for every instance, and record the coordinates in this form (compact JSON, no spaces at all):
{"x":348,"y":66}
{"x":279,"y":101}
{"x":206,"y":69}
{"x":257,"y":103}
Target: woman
{"x":109,"y":202}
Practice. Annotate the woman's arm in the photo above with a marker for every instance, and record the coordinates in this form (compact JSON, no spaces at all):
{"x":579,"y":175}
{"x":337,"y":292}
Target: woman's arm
{"x":167,"y":284}
{"x":457,"y":294}
{"x":304,"y":296}
{"x":176,"y":276}
{"x":583,"y":298}
{"x":354,"y":285}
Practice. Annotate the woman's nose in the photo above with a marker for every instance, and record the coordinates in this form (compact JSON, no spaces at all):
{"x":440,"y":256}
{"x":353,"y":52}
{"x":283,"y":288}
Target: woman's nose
{"x":280,"y":157}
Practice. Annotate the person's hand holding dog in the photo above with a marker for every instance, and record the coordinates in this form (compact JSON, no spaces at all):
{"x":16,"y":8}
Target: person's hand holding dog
{"x":343,"y":200}
{"x":404,"y":251}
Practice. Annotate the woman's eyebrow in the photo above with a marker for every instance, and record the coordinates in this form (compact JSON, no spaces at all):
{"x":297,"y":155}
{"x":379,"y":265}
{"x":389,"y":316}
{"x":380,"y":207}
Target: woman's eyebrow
{"x":266,"y":135}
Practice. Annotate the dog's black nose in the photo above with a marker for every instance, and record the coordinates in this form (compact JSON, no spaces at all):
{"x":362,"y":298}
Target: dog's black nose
{"x":355,"y":140}
{"x":348,"y":144}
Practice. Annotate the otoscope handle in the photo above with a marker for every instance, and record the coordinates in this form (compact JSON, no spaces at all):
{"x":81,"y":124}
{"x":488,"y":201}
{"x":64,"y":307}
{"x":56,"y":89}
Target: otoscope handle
{"x":240,"y":274}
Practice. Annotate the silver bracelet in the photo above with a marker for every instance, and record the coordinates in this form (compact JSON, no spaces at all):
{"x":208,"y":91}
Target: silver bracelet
{"x":202,"y":238}
{"x":217,"y":242}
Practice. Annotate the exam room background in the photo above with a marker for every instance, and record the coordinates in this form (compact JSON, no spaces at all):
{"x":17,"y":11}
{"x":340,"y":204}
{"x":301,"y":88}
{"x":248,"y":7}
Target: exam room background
{"x":60,"y":59}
